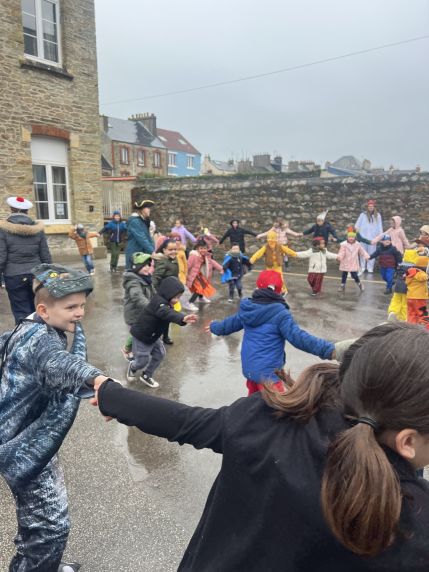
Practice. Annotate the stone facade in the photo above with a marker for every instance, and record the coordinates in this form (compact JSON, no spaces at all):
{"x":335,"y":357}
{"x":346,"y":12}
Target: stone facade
{"x":257,"y":201}
{"x":52,"y":101}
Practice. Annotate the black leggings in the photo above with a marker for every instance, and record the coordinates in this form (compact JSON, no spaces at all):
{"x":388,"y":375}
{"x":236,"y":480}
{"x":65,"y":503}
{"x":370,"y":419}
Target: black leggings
{"x":354,"y":276}
{"x":194,"y":297}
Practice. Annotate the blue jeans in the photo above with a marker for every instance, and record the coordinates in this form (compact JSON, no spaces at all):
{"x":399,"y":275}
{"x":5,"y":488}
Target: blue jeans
{"x":87,"y":260}
{"x":234,"y":283}
{"x":387,"y":275}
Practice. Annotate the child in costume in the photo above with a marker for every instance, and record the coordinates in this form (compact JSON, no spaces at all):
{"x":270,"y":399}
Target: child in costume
{"x":116,"y":228}
{"x":389,"y":258}
{"x":210,"y":239}
{"x":370,"y":224}
{"x":84,"y":245}
{"x":396,"y":233}
{"x":183,"y":272}
{"x":40,"y":388}
{"x":317,"y":268}
{"x":417,"y":295}
{"x":348,"y":255}
{"x":398,"y":304}
{"x":274,"y":253}
{"x":234,"y":265}
{"x":138,"y":291}
{"x":322,"y":228}
{"x":268,"y":325}
{"x":281,"y":227}
{"x":148,"y":349}
{"x":166,"y":265}
{"x":200,"y":271}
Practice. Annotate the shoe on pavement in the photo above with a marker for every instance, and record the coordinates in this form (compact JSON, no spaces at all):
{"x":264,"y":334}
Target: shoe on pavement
{"x":392,"y":317}
{"x":131,"y":375}
{"x":149,"y":381}
{"x":361,"y":272}
{"x":314,"y":293}
{"x":69,"y":567}
{"x":168,"y":341}
{"x":92,"y":272}
{"x":230,"y":300}
{"x":361,"y":287}
{"x":128,"y":354}
{"x":206,"y":300}
{"x":342,"y":288}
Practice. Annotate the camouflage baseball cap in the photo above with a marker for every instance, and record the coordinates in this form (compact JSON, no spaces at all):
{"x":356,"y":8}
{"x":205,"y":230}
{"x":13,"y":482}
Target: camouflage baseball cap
{"x":140,"y":259}
{"x":61,"y":281}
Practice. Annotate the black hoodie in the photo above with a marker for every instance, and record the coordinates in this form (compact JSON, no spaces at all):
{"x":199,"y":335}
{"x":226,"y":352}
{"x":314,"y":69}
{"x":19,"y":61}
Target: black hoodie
{"x":158,"y":313}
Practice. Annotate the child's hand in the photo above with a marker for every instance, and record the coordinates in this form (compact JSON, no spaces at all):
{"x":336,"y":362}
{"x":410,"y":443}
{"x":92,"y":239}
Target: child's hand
{"x":190,"y":319}
{"x":207,"y":328}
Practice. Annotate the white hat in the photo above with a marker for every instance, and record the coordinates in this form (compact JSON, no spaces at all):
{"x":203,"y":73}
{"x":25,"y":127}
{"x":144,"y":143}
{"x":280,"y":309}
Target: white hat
{"x":19,"y":203}
{"x":322,"y":216}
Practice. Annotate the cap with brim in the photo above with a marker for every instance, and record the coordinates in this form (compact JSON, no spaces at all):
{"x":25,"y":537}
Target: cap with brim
{"x":140,"y":259}
{"x":61,"y":281}
{"x":144,"y":204}
{"x":19,"y":203}
{"x":386,"y":237}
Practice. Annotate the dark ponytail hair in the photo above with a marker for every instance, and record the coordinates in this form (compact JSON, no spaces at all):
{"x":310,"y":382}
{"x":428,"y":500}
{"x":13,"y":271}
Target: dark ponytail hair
{"x":384,"y":376}
{"x":164,"y":245}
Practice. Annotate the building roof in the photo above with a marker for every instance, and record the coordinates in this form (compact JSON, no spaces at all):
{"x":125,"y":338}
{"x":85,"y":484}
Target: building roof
{"x":174,"y":141}
{"x":223,"y":165}
{"x":347,"y":162}
{"x":105,"y":165}
{"x":134,"y":132}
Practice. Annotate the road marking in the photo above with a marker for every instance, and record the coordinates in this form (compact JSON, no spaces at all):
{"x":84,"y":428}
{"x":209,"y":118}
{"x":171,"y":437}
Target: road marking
{"x":327,"y":277}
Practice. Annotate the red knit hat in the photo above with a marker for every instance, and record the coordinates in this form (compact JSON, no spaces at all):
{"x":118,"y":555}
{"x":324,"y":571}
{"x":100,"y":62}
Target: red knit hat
{"x":270,"y":279}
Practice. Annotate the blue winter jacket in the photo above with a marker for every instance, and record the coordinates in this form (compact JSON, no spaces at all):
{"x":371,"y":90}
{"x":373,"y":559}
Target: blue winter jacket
{"x":115,"y":229}
{"x":40,"y":385}
{"x":267,"y":327}
{"x":139,"y":238}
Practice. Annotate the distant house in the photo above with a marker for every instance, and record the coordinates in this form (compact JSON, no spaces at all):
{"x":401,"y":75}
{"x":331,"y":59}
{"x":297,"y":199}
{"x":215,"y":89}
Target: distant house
{"x":183,"y":159}
{"x":347,"y":166}
{"x":213,"y":167}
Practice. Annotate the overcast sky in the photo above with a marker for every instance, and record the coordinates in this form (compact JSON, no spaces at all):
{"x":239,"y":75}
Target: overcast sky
{"x":373,"y":106}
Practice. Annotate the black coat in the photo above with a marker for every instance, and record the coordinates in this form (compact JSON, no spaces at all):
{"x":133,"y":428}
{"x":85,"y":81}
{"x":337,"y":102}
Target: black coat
{"x":23,"y":245}
{"x":236,"y":236}
{"x":322,"y":230}
{"x":263,"y":512}
{"x":154,"y":318}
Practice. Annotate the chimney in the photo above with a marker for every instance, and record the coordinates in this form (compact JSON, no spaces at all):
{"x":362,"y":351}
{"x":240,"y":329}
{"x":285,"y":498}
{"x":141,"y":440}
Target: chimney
{"x":105,"y":123}
{"x":262,"y":160}
{"x":148,"y":120}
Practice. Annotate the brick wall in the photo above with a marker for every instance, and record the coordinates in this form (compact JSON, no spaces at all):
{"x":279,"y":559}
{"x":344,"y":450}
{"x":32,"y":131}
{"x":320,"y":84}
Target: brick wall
{"x":60,"y":103}
{"x":257,"y":201}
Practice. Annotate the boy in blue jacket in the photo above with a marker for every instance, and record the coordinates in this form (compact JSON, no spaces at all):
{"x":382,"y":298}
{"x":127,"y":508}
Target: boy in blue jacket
{"x":41,"y":383}
{"x":234,"y":265}
{"x":116,"y":228}
{"x":268,"y":325}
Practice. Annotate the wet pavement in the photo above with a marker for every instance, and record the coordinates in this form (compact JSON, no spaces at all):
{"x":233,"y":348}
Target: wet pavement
{"x":135,"y":499}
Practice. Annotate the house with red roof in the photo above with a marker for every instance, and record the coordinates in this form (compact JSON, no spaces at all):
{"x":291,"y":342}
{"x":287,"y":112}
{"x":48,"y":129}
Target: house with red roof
{"x":184,"y":160}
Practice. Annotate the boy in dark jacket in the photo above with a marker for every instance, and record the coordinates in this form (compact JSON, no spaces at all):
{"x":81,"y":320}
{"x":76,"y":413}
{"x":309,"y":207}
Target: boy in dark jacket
{"x":234,"y":265}
{"x":116,"y":229}
{"x":322,"y":229}
{"x":148,"y":349}
{"x":389,"y":258}
{"x":236,"y":234}
{"x":268,"y":325}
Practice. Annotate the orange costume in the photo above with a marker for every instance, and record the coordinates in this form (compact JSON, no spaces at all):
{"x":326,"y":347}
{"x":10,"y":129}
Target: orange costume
{"x":274,"y":254}
{"x":417,"y":295}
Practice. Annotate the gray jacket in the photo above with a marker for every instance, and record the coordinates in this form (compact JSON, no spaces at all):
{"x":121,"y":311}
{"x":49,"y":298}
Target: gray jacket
{"x":23,"y":245}
{"x":137,"y":296}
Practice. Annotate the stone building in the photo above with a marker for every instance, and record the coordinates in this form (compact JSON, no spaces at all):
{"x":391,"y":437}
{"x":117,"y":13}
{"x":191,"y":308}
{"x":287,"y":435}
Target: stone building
{"x":49,"y":126}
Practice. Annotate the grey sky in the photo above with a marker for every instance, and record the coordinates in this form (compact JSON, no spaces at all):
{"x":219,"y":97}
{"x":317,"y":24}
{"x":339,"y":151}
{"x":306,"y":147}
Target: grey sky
{"x":374,"y":105}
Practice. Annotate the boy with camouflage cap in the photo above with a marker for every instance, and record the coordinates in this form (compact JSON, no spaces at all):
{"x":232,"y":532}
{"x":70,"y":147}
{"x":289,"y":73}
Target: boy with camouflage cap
{"x":41,"y":384}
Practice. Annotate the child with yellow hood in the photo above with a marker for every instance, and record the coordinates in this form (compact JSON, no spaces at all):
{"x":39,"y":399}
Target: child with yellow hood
{"x":274,"y":254}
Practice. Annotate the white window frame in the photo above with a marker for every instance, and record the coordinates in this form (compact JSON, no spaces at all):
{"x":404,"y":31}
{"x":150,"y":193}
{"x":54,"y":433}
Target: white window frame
{"x":39,"y":34}
{"x":172,"y":155}
{"x":190,"y":162}
{"x":50,"y":189}
{"x":157,"y":159}
{"x":141,"y":153}
{"x":125,"y":149}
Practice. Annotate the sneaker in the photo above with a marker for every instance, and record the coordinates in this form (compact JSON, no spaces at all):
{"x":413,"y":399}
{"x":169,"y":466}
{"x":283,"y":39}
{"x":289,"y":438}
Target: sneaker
{"x":361,"y":287}
{"x":314,"y":293}
{"x":361,"y":272}
{"x":392,"y":317}
{"x":131,"y":375}
{"x":193,"y":308}
{"x":128,"y":354}
{"x":68,"y":567}
{"x":92,"y":272}
{"x":168,"y":341}
{"x":149,"y":381}
{"x":342,"y":288}
{"x":230,"y":300}
{"x":206,"y":300}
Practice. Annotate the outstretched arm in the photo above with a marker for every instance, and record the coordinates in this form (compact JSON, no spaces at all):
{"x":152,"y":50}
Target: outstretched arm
{"x":258,"y":254}
{"x":227,"y":233}
{"x":227,"y":326}
{"x":197,"y":426}
{"x":305,"y":341}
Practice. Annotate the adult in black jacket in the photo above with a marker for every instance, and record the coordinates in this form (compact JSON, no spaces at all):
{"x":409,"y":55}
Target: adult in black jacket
{"x":279,"y":502}
{"x":322,"y":229}
{"x":148,"y":349}
{"x":236,"y":234}
{"x":23,"y":246}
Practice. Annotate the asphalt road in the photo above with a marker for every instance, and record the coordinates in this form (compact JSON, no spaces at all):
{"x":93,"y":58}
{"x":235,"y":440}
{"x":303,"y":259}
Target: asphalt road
{"x":136,"y":499}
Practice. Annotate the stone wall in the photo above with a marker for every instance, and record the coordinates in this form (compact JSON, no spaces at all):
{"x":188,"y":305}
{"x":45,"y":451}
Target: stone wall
{"x":258,"y":201}
{"x":58,"y":102}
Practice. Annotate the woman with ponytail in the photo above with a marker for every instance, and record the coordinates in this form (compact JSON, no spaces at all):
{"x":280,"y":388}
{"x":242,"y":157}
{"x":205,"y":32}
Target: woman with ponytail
{"x":320,"y":478}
